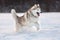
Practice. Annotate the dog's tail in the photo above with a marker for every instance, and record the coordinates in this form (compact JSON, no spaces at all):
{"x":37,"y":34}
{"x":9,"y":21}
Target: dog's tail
{"x":14,"y":13}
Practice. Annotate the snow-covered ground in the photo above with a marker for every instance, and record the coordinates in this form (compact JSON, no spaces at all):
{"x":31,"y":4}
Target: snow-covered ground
{"x":49,"y":25}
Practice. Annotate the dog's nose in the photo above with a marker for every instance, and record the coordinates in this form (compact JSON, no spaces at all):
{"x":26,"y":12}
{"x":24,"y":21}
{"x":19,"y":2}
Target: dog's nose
{"x":38,"y":13}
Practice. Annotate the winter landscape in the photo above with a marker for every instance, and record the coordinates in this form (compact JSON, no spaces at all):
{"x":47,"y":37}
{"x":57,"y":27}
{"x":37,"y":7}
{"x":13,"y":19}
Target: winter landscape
{"x":49,"y":28}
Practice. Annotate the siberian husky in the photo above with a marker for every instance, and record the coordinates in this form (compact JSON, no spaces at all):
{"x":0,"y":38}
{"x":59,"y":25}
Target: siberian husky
{"x":29,"y":18}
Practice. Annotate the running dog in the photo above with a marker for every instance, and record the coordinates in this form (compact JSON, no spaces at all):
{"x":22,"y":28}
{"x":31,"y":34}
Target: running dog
{"x":29,"y":18}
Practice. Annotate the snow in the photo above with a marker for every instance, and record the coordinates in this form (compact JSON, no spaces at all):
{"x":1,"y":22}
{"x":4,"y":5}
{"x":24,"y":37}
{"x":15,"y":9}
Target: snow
{"x":49,"y":28}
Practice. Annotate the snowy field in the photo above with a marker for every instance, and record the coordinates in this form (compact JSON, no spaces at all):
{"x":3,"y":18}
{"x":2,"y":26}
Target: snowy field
{"x":49,"y":28}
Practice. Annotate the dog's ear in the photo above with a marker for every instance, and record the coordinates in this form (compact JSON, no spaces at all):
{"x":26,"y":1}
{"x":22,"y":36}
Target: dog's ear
{"x":38,"y":5}
{"x":34,"y":6}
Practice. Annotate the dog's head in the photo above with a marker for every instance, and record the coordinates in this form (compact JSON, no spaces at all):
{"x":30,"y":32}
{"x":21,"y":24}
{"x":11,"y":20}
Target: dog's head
{"x":35,"y":10}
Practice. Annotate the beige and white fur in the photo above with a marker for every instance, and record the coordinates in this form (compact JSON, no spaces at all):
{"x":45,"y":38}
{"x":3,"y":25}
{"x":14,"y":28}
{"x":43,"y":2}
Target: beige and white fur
{"x":29,"y":18}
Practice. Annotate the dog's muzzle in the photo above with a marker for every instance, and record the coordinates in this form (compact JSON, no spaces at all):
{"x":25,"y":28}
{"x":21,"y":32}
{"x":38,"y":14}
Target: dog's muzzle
{"x":38,"y":13}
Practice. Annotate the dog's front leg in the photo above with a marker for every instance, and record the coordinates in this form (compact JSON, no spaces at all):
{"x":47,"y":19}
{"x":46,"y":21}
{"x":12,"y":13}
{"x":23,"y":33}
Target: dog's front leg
{"x":37,"y":25}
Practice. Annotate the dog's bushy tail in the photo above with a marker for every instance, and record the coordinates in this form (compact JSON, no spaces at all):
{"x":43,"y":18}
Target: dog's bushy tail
{"x":13,"y":13}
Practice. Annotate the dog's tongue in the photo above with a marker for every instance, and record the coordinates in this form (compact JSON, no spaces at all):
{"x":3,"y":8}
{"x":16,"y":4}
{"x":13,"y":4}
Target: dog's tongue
{"x":38,"y":14}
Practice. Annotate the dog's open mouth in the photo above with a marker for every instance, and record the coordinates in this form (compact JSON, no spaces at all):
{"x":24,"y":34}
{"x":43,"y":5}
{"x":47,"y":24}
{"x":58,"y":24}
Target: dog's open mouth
{"x":38,"y":13}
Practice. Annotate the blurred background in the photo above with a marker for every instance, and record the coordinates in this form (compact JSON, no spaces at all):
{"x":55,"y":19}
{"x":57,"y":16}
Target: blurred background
{"x":24,"y":5}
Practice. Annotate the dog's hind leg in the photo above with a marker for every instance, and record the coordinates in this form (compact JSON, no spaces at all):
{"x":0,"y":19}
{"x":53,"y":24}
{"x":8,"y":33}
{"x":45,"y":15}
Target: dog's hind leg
{"x":18,"y":27}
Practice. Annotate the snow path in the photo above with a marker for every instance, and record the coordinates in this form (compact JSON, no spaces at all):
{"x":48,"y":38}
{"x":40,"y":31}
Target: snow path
{"x":50,"y":28}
